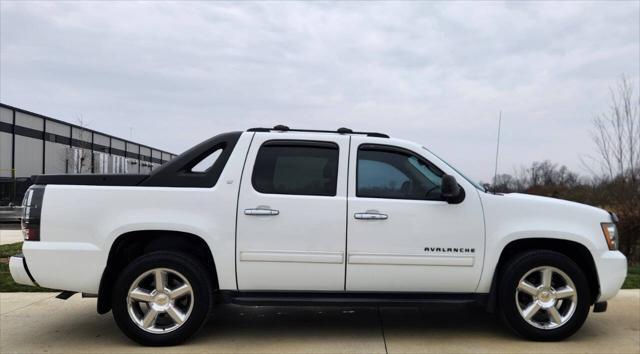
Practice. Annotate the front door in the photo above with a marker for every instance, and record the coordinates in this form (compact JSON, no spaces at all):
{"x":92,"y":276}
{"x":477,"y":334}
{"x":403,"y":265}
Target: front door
{"x":401,"y":235}
{"x":292,"y":213}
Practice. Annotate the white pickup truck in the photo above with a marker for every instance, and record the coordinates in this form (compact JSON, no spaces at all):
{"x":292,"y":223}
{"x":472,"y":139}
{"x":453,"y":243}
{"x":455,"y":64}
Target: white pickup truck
{"x":300,"y":217}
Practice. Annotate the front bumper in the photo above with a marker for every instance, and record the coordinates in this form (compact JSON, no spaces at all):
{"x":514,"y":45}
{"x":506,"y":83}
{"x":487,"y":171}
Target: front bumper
{"x":612,"y":271}
{"x":20,"y":271}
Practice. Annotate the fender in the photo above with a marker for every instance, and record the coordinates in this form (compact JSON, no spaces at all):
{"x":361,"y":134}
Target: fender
{"x":134,"y":243}
{"x":575,"y":250}
{"x":496,"y":249}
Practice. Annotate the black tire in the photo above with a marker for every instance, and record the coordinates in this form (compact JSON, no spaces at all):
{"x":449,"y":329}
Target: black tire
{"x":519,"y":266}
{"x":188,"y":267}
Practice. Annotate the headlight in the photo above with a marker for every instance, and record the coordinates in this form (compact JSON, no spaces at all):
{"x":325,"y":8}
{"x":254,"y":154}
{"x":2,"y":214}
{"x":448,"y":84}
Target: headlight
{"x":610,"y":235}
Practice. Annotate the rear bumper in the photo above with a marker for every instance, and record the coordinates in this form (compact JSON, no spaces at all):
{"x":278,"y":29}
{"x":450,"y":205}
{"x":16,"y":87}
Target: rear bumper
{"x":20,"y":271}
{"x":612,"y":271}
{"x":74,"y":266}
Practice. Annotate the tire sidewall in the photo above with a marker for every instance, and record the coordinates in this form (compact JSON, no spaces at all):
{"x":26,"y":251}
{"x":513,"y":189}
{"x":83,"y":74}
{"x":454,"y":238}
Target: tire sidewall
{"x":512,"y":274}
{"x":192,"y":270}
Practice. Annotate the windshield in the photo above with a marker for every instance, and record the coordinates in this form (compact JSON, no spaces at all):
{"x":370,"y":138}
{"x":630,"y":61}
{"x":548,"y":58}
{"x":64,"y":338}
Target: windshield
{"x":475,"y":184}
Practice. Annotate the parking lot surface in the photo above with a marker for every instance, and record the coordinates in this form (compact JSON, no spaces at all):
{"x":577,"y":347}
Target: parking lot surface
{"x":39,"y":323}
{"x":10,"y":236}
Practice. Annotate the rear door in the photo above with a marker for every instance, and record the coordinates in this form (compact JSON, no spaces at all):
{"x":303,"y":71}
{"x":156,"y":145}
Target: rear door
{"x":291,"y":231}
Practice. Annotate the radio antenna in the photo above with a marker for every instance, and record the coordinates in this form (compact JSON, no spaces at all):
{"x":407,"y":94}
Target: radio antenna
{"x":495,"y":172}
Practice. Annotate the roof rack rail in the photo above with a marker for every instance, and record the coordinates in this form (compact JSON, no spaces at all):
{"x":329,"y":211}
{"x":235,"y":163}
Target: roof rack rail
{"x":284,"y":128}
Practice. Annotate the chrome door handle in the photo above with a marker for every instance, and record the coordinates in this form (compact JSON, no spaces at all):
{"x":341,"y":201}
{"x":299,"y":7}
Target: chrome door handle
{"x":371,"y":215}
{"x":261,"y":211}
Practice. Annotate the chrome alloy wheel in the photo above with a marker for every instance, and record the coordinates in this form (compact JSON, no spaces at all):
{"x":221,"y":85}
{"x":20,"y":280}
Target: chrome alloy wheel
{"x":160,"y":300}
{"x":546,"y":297}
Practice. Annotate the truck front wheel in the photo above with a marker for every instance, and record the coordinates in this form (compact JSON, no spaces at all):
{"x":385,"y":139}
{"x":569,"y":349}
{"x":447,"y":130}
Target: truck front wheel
{"x":543,"y":295}
{"x":162,"y":298}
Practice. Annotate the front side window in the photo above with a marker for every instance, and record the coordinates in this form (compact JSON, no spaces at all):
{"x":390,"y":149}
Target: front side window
{"x":296,"y":167}
{"x":388,"y":172}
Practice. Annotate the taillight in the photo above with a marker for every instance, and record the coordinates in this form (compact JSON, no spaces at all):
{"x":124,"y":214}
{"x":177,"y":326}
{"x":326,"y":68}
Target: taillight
{"x":31,"y":210}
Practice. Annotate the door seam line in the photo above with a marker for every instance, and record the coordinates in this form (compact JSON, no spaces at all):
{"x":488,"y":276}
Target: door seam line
{"x":235,"y":251}
{"x":346,"y":226}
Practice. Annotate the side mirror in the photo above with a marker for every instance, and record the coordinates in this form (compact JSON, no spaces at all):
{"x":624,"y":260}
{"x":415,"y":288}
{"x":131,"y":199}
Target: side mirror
{"x":451,"y":191}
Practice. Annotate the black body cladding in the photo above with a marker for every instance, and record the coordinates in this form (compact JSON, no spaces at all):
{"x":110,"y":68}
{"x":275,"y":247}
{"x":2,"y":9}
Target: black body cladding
{"x":175,"y":173}
{"x":91,"y":180}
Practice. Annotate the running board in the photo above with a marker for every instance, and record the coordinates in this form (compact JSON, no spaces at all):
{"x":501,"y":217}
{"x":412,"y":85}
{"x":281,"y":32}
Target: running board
{"x":348,"y":299}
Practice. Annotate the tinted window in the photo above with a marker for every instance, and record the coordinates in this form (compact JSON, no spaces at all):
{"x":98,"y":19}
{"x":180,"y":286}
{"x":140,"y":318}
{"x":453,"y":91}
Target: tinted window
{"x":302,"y":168}
{"x":385,"y":172}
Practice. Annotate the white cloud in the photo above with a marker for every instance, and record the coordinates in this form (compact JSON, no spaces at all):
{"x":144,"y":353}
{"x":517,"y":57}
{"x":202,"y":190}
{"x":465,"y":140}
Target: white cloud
{"x":437,"y":73}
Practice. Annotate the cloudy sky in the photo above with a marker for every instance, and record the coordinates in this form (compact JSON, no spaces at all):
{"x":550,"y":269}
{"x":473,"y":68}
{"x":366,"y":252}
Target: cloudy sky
{"x":172,"y":74}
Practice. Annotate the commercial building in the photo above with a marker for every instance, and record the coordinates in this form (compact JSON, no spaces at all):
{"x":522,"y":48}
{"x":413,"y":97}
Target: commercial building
{"x":33,"y":144}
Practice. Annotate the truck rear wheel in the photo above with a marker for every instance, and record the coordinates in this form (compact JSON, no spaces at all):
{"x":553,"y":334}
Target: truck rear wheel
{"x":544,"y":295}
{"x":162,"y":298}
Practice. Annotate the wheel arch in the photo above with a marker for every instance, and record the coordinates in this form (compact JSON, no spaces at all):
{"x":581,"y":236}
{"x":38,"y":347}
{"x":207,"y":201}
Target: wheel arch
{"x":133,"y":244}
{"x":576,"y":251}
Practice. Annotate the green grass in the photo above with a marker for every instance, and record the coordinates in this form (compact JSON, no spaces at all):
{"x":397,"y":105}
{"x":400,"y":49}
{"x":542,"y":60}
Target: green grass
{"x":10,"y":249}
{"x":633,"y":278}
{"x":7,"y":284}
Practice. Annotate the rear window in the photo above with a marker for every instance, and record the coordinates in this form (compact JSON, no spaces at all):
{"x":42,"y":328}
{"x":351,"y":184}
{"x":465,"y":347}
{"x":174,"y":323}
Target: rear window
{"x":296,"y":167}
{"x":207,"y":163}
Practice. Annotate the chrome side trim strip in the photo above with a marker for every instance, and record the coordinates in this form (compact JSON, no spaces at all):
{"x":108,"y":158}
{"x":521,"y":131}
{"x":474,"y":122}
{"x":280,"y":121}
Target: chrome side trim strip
{"x":410,"y":259}
{"x":292,"y":256}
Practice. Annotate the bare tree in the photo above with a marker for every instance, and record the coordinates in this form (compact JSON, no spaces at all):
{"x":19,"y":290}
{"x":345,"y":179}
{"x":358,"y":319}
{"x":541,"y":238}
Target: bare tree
{"x":616,"y":135}
{"x":85,"y":155}
{"x":539,"y":174}
{"x":78,"y":159}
